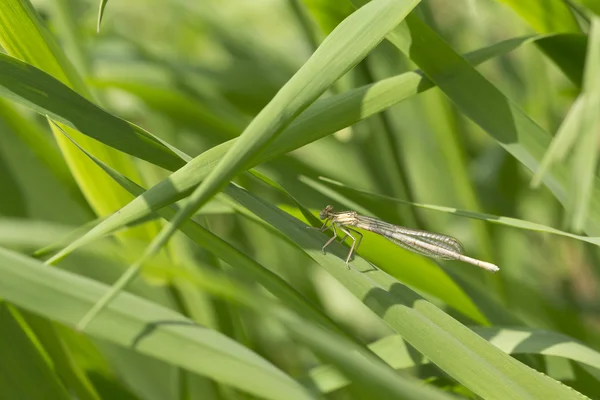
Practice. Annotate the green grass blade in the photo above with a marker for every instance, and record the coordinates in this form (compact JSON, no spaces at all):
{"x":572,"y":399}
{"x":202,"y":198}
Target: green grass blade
{"x":561,"y":143}
{"x":347,"y":45}
{"x":495,"y":219}
{"x":451,"y":346}
{"x":43,"y":93}
{"x":100,"y":13}
{"x":32,"y":380}
{"x":585,"y":152}
{"x":146,"y":327}
{"x":365,"y":370}
{"x":324,"y":117}
{"x":487,"y":107}
{"x":548,"y":16}
{"x":393,"y":350}
{"x":228,"y":253}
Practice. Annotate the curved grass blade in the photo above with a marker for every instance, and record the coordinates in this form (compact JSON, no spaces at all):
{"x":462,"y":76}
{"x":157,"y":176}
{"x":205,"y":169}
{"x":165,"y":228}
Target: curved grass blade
{"x":349,"y":43}
{"x":451,"y":346}
{"x":143,"y":326}
{"x":324,"y":117}
{"x":228,"y":253}
{"x":393,"y":351}
{"x":561,"y":143}
{"x":100,"y":14}
{"x":585,"y":152}
{"x":43,"y":93}
{"x":483,"y":103}
{"x":495,"y":219}
{"x":361,"y":366}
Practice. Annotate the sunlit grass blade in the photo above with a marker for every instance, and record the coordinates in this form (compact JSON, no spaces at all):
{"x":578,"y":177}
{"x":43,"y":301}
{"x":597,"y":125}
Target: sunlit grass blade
{"x":451,"y":346}
{"x":360,"y":365}
{"x":24,"y":36}
{"x":514,"y":341}
{"x":101,"y":8}
{"x":487,"y":106}
{"x":324,"y":117}
{"x":346,"y":46}
{"x":585,"y":152}
{"x":226,"y":252}
{"x":143,"y":326}
{"x":495,"y":219}
{"x":29,"y":85}
{"x":549,"y":16}
{"x":561,"y":143}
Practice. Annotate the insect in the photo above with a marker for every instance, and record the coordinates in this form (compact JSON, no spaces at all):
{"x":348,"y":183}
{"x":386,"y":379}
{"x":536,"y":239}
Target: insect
{"x":429,"y":244}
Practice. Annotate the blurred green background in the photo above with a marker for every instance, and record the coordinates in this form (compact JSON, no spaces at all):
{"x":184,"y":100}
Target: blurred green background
{"x":195,"y":74}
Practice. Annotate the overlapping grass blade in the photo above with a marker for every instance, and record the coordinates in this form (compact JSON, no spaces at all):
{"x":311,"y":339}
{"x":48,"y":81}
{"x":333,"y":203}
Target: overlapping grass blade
{"x":486,"y":106}
{"x":35,"y":378}
{"x":24,"y":36}
{"x":451,"y":346}
{"x":495,"y":219}
{"x":228,"y":253}
{"x":36,"y":89}
{"x":561,"y":143}
{"x":349,"y":43}
{"x":362,"y":367}
{"x":585,"y":152}
{"x":424,"y":276}
{"x":393,"y":350}
{"x":321,"y":119}
{"x":144,"y":326}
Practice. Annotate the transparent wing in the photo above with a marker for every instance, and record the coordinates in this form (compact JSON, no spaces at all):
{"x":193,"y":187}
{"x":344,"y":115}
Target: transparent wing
{"x":411,"y":239}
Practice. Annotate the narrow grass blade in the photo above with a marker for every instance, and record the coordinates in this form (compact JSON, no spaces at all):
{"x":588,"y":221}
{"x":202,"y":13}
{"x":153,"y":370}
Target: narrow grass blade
{"x":143,"y":326}
{"x":346,"y":46}
{"x":272,"y":282}
{"x":549,"y":16}
{"x":486,"y":106}
{"x":585,"y":153}
{"x":561,"y":143}
{"x":495,"y":219}
{"x":100,"y":13}
{"x":514,"y":341}
{"x":32,"y":380}
{"x":451,"y":346}
{"x":31,"y":86}
{"x":324,"y":117}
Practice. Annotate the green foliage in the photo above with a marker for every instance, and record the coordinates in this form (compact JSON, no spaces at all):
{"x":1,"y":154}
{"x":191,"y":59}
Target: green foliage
{"x":256,"y":115}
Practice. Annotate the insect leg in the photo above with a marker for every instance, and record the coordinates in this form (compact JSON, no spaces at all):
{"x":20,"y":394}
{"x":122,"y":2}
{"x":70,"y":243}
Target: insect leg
{"x":330,"y":239}
{"x":346,"y":231}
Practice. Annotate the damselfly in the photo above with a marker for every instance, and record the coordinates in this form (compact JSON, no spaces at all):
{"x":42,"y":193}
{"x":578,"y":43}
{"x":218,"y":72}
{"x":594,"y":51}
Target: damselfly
{"x":425,"y":243}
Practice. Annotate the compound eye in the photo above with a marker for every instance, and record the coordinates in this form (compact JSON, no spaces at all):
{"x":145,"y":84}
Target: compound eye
{"x":325,"y":212}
